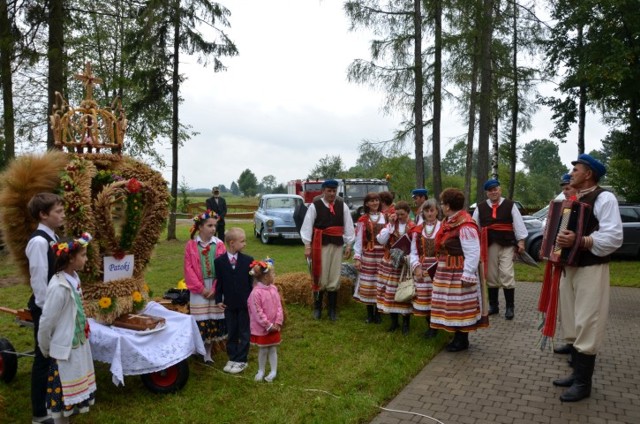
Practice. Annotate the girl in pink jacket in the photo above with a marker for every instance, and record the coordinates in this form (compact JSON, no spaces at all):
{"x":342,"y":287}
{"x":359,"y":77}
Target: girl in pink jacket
{"x":265,"y":313}
{"x":200,"y":277}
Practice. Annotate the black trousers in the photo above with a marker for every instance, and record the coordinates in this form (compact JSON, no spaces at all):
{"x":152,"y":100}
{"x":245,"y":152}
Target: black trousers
{"x":239,"y":334}
{"x":220,"y":229}
{"x":39,"y":369}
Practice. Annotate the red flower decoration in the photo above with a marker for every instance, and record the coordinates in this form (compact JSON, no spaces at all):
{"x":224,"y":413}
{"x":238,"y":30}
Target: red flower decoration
{"x":206,"y":250}
{"x":119,"y":254}
{"x":133,"y":186}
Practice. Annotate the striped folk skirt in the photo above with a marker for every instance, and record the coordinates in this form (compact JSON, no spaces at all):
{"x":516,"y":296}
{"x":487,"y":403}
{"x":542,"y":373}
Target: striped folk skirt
{"x":367,"y":285}
{"x":454,"y":306}
{"x":424,"y":289}
{"x":208,"y":315}
{"x":388,"y":279}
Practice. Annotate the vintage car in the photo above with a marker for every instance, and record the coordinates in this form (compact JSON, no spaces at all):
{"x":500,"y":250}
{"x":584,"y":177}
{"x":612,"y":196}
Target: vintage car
{"x":274,"y":217}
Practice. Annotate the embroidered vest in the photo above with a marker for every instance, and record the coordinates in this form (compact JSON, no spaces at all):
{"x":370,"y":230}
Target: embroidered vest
{"x":325,"y":219}
{"x":586,"y":257}
{"x":503,"y":216}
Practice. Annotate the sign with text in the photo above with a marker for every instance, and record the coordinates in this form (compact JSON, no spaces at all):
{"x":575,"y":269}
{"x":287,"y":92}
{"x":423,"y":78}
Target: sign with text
{"x":115,"y":269}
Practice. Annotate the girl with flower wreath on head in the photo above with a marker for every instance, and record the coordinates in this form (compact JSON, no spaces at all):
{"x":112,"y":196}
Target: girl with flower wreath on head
{"x":200,"y":278}
{"x":368,"y":254}
{"x":64,"y":334}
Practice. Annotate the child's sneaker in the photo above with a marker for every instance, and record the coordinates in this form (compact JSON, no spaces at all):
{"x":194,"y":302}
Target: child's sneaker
{"x":270,"y":377}
{"x":238,"y":367}
{"x":229,"y":366}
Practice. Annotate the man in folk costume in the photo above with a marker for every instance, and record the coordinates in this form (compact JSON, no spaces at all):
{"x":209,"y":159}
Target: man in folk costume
{"x":584,"y":288}
{"x":326,"y":230}
{"x":544,"y":303}
{"x":503,"y":231}
{"x":420,"y":196}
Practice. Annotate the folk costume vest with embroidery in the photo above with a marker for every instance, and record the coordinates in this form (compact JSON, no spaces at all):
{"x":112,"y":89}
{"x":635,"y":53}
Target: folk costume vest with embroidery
{"x":586,"y":257}
{"x":503,"y":216}
{"x":325,"y":219}
{"x":425,"y":246}
{"x":371,"y":230}
{"x":448,"y":238}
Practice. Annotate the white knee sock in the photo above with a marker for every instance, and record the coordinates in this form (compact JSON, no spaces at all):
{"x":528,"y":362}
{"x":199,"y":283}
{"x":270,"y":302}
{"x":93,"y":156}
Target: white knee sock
{"x":207,"y":350}
{"x":273,"y":363}
{"x":262,"y":363}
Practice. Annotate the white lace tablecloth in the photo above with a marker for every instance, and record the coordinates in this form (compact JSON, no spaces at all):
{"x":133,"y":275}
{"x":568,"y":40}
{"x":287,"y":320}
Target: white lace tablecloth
{"x":136,"y":353}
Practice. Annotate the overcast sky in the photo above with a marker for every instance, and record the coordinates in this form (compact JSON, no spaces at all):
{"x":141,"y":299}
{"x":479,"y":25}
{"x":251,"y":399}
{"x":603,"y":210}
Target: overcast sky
{"x":284,"y":102}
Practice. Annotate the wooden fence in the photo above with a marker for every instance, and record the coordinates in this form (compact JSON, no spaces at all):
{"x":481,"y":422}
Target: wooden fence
{"x":233,"y":211}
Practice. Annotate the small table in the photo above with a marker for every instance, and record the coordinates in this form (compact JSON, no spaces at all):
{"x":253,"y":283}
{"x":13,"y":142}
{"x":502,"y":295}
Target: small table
{"x":144,"y":352}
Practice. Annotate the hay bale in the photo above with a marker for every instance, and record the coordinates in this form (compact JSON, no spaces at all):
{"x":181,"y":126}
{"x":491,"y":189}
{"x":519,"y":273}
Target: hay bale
{"x":295,"y":288}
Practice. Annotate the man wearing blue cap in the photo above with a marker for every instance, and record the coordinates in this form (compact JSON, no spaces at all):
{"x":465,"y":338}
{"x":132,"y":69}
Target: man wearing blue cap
{"x":326,"y":229}
{"x":567,"y":189}
{"x":420,"y":196}
{"x":584,"y":288}
{"x":502,"y":231}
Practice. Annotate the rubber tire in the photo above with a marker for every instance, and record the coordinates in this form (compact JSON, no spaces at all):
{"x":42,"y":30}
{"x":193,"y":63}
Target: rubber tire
{"x":263,"y":238}
{"x":8,"y":361}
{"x":169,"y":380}
{"x":534,"y":250}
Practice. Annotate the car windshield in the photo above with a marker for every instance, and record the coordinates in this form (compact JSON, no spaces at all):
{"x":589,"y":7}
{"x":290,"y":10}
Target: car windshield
{"x":541,"y":214}
{"x":282,"y":203}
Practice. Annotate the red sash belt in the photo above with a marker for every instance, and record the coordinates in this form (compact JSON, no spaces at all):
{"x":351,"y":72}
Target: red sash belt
{"x":548,"y":302}
{"x":484,"y":246}
{"x":316,"y":251}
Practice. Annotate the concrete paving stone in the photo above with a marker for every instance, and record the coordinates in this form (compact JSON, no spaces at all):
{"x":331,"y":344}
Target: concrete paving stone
{"x":504,"y":373}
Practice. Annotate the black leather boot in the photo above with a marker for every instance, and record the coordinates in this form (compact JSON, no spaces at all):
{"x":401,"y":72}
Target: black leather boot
{"x":460,"y":342}
{"x":317,"y":305}
{"x":509,"y":297}
{"x":581,"y":387}
{"x":394,"y":323}
{"x":494,"y":307}
{"x":431,"y":332}
{"x":563,"y":350}
{"x":332,"y":302}
{"x":377,"y":316}
{"x":370,"y":314}
{"x":568,"y":381}
{"x":405,"y":324}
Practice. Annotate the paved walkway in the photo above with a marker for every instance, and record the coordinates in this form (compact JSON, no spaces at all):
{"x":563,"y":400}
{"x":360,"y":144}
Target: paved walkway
{"x":505,"y":378}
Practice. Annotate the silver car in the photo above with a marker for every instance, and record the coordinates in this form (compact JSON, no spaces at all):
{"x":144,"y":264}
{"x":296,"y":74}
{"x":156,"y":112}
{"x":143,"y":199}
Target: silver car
{"x":274,"y":217}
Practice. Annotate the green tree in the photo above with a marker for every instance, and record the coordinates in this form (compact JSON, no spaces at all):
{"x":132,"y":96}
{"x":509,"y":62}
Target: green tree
{"x":235,"y":190}
{"x":170,"y":28}
{"x":328,"y":167}
{"x":541,"y":158}
{"x":268,"y":184}
{"x":248,"y":183}
{"x":396,"y":64}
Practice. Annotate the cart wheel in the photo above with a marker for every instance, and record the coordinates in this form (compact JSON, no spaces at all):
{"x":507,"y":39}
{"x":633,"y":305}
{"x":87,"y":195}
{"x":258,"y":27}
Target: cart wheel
{"x":169,"y":380}
{"x":8,"y":361}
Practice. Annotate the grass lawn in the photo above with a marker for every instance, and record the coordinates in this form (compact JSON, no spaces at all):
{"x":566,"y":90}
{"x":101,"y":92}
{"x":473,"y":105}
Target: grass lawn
{"x":328,"y":372}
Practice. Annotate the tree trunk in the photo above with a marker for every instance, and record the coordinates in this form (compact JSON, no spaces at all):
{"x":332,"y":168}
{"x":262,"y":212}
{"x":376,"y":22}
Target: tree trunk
{"x":55,"y":57}
{"x":473,"y":96}
{"x":417,"y":108}
{"x":6,"y":54}
{"x":486,"y":78}
{"x":437,"y":98}
{"x":175,"y":122}
{"x":515,"y":106}
{"x":582,"y":102}
{"x":495,"y":155}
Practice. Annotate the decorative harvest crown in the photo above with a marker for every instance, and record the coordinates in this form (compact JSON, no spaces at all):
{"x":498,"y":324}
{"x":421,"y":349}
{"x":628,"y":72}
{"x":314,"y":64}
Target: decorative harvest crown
{"x":88,"y":127}
{"x":70,"y":246}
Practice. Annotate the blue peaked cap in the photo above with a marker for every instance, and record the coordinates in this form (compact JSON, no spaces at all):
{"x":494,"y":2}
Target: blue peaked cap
{"x":491,"y":184}
{"x":330,"y":183}
{"x":566,"y":179}
{"x":593,"y":163}
{"x":419,"y":192}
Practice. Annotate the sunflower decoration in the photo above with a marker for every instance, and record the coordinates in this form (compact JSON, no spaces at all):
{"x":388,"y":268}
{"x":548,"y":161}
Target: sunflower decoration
{"x":138,"y":301}
{"x":107,"y":305}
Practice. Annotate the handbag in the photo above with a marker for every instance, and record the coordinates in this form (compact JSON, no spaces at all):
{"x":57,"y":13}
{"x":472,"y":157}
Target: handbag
{"x":407,"y":287}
